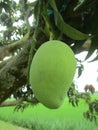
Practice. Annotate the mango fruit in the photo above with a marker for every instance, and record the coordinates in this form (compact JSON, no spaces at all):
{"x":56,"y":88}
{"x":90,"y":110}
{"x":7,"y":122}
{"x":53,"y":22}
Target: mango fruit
{"x":51,"y":73}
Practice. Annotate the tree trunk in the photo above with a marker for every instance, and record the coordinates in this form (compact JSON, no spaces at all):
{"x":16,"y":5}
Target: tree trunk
{"x":14,"y":74}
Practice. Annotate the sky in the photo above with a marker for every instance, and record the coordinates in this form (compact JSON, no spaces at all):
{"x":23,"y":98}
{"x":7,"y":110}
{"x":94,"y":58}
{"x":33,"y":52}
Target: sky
{"x":89,"y":75}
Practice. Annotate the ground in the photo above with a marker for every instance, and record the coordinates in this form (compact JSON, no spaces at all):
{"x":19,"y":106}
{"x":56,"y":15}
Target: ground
{"x":7,"y":126}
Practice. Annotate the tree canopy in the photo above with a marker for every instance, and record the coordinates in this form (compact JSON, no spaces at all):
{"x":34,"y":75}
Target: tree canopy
{"x":27,"y":24}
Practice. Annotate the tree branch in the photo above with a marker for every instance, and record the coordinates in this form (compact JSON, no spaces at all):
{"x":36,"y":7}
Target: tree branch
{"x":18,"y":101}
{"x":14,"y":74}
{"x":11,"y":103}
{"x":7,"y":50}
{"x":3,"y":63}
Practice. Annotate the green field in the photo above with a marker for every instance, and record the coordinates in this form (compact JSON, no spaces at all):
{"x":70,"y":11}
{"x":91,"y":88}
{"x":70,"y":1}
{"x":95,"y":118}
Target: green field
{"x":39,"y":117}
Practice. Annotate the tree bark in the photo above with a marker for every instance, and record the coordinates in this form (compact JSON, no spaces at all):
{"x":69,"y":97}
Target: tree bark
{"x":14,"y":74}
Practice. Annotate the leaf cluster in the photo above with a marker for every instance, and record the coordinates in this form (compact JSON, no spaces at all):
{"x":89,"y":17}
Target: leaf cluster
{"x":74,"y":98}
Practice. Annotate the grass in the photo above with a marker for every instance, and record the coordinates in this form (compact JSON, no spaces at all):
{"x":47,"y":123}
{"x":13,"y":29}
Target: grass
{"x":39,"y":117}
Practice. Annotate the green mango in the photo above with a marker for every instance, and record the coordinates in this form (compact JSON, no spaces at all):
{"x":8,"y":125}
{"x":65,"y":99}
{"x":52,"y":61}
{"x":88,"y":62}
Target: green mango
{"x":51,"y":73}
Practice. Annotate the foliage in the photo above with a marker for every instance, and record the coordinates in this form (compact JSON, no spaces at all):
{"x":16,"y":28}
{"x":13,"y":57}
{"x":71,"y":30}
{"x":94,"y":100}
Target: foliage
{"x":80,"y":67}
{"x":74,"y":98}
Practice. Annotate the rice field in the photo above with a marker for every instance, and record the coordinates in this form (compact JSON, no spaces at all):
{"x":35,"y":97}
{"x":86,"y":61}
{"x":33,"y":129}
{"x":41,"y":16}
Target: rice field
{"x":39,"y":117}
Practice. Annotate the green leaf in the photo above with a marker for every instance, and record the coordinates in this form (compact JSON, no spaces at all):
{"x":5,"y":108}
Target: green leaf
{"x":84,"y":4}
{"x":94,"y":31}
{"x":64,"y":27}
{"x":96,"y":58}
{"x":79,"y":4}
{"x":94,"y":45}
{"x":80,"y":70}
